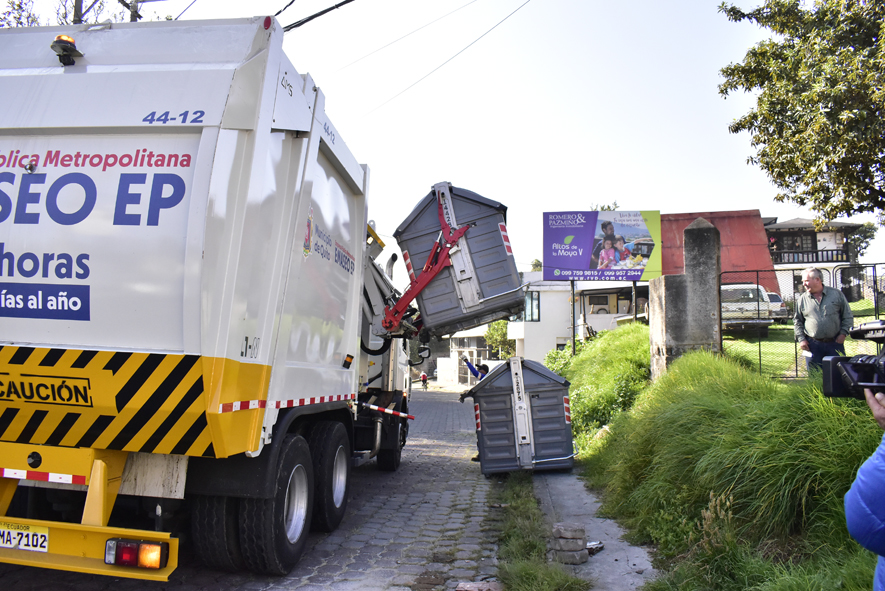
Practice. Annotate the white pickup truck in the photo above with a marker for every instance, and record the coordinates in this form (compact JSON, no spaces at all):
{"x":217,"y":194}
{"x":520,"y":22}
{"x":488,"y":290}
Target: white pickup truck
{"x":745,"y":307}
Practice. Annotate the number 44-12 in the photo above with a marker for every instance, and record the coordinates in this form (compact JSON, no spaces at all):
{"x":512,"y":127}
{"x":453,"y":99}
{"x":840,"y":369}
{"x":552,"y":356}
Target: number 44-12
{"x":196,"y":117}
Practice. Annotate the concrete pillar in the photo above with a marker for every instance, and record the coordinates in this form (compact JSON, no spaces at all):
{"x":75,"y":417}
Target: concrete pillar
{"x":684,"y":310}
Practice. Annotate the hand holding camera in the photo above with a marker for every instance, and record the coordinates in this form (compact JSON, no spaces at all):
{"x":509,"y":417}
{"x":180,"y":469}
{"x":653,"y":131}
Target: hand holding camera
{"x":876,"y":402}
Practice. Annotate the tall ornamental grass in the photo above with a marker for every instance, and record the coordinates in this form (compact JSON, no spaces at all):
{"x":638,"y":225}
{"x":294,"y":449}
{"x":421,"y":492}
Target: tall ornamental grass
{"x":606,"y":376}
{"x":737,"y":478}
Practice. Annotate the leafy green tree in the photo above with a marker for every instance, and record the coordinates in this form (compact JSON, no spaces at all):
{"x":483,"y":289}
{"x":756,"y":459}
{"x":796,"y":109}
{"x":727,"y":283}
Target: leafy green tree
{"x":537,"y":265}
{"x":861,"y":238}
{"x":19,"y":13}
{"x":496,"y":339}
{"x":817,"y":126}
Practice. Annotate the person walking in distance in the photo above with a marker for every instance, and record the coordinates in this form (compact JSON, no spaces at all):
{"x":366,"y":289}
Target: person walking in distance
{"x":822,"y":319}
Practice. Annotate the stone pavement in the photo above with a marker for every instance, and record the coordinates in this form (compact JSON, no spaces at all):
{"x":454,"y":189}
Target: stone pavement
{"x":422,"y":527}
{"x":619,"y":566}
{"x":426,"y":526}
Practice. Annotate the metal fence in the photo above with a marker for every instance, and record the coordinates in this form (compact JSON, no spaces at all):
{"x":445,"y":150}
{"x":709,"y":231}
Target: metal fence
{"x":759,"y":328}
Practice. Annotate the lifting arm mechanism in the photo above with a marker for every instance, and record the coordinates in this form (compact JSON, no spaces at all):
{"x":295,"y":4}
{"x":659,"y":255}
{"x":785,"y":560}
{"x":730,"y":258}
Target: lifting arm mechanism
{"x":438,"y":260}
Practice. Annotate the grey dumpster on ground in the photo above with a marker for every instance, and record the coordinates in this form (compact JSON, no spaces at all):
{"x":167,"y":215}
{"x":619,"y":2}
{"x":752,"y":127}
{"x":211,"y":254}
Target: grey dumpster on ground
{"x":500,"y":436}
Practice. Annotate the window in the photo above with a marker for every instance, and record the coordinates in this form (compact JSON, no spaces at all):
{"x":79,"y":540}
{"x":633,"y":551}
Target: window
{"x":601,"y":300}
{"x":741,"y":295}
{"x":532,"y":306}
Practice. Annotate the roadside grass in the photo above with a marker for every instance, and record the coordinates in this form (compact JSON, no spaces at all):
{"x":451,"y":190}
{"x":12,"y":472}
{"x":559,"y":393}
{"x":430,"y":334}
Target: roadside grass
{"x":737,"y":479}
{"x":607,"y":375}
{"x":522,"y":547}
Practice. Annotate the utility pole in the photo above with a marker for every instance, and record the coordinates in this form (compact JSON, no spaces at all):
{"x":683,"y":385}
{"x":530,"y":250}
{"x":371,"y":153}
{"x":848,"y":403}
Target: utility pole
{"x":78,"y":12}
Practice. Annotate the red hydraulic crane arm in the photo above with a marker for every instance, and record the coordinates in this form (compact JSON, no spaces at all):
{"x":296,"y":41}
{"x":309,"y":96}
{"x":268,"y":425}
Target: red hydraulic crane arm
{"x":438,"y":260}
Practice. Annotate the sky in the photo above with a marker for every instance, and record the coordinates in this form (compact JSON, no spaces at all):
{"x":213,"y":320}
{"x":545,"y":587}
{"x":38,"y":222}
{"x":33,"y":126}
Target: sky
{"x":563,"y":106}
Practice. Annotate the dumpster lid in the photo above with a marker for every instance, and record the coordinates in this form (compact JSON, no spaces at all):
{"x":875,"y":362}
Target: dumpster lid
{"x":535,"y":375}
{"x":430,"y":201}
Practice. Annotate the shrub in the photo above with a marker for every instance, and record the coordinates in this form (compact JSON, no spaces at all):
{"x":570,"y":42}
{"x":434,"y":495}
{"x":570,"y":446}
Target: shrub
{"x":559,"y":360}
{"x":607,"y":375}
{"x":740,"y":476}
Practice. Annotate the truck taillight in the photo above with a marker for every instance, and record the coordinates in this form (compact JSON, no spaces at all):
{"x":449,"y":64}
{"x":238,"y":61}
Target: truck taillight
{"x":136,"y":553}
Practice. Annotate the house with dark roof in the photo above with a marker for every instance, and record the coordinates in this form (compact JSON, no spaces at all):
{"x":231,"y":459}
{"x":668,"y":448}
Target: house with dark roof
{"x":797,"y":242}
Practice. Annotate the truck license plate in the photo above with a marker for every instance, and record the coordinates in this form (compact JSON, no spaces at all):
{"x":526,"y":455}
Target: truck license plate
{"x":24,"y":537}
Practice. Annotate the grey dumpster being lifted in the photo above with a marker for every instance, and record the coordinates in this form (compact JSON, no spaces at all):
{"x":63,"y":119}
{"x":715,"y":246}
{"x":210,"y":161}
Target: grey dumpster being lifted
{"x":523,"y":419}
{"x":482,"y":284}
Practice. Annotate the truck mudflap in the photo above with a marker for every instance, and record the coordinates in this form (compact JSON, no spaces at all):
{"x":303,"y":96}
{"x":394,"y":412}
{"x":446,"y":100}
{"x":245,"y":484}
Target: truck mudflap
{"x":81,"y":548}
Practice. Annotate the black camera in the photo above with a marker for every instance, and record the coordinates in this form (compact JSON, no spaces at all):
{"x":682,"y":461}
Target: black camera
{"x":846,"y":377}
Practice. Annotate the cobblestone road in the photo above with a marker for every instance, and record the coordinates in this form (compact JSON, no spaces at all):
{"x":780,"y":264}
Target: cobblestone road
{"x":426,"y":526}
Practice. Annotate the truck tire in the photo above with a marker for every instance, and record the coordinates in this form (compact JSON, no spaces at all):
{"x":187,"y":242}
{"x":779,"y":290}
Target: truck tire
{"x":273,"y":531}
{"x":216,"y":533}
{"x":330,"y":450}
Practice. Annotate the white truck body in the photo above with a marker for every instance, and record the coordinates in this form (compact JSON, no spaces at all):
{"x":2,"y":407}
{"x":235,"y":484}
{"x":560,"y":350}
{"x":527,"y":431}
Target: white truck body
{"x":182,"y":234}
{"x":189,"y":301}
{"x":170,"y":238}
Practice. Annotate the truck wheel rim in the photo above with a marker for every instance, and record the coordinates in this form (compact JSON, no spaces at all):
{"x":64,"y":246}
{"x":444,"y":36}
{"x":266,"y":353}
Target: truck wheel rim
{"x":339,"y":476}
{"x":296,"y":503}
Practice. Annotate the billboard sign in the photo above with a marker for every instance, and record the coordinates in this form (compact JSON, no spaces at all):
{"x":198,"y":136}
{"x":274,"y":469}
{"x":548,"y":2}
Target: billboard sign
{"x":602,"y":245}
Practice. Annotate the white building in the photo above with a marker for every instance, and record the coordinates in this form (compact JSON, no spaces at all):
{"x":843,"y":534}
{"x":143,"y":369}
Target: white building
{"x":547,"y":321}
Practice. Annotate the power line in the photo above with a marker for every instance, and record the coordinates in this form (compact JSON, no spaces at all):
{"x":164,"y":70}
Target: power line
{"x":306,"y":20}
{"x":291,"y":2}
{"x":406,"y":35}
{"x":185,"y":10}
{"x":448,"y":60}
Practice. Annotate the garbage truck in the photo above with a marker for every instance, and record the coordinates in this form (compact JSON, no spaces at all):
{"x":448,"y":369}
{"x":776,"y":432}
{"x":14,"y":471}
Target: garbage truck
{"x":197,"y":343}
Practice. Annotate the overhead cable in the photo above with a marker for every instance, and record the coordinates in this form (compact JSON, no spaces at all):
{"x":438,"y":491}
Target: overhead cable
{"x":448,"y":60}
{"x":185,"y":10}
{"x":280,"y":11}
{"x":303,"y":21}
{"x":406,"y":35}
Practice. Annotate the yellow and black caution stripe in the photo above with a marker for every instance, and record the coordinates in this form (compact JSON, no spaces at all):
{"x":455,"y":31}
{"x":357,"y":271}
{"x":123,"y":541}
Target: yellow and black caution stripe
{"x":144,"y":402}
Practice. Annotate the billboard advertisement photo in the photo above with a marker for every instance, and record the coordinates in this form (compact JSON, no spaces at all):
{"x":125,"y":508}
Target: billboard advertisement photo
{"x":602,"y":245}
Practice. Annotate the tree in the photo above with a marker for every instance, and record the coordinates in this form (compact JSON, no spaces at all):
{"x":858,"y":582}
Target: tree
{"x":19,"y":13}
{"x":603,"y":206}
{"x":496,"y":339}
{"x":93,"y":11}
{"x":537,"y":265}
{"x":818,"y":126}
{"x":861,"y":238}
